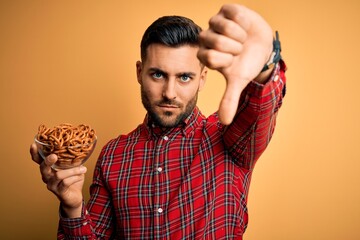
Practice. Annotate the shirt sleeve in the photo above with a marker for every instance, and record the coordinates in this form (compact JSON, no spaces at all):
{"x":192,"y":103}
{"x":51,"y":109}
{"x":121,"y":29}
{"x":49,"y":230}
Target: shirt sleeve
{"x":248,"y":135}
{"x":76,"y":228}
{"x":97,"y":220}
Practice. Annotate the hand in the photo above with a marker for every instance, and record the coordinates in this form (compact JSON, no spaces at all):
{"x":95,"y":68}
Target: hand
{"x":238,"y":43}
{"x":65,"y":184}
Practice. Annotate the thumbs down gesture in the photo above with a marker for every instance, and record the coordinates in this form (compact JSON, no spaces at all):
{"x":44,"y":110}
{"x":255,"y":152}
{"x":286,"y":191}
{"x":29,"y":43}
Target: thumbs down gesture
{"x":238,"y":43}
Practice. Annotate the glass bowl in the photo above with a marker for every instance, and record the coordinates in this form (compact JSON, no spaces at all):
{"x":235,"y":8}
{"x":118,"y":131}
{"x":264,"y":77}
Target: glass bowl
{"x":68,"y":156}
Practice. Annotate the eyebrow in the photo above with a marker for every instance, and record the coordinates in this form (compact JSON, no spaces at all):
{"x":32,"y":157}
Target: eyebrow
{"x":157,"y":70}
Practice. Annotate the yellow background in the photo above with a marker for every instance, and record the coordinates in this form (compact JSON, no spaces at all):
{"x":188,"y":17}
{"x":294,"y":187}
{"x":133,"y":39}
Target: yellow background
{"x":74,"y":61}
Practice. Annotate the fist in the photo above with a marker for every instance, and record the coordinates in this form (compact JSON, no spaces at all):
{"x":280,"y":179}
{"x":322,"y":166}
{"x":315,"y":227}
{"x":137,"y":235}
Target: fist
{"x":237,"y":43}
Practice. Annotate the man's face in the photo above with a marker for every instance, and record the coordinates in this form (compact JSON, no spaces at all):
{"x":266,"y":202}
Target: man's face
{"x":170,"y":79}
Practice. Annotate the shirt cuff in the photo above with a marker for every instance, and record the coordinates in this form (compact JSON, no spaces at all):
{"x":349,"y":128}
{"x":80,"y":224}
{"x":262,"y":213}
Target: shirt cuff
{"x":256,"y":89}
{"x":76,"y":226}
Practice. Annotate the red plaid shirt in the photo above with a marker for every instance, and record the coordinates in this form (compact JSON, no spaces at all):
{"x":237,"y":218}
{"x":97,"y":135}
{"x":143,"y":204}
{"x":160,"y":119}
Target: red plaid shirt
{"x":189,"y":182}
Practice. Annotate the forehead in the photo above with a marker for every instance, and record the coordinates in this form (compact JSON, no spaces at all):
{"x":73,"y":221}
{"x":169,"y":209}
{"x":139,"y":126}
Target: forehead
{"x":172,"y":59}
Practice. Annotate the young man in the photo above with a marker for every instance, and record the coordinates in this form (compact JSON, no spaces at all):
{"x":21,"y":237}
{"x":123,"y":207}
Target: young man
{"x":180,"y":175}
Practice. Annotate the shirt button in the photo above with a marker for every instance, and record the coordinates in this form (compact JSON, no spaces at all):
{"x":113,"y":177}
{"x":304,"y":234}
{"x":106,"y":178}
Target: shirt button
{"x":166,"y":138}
{"x":160,"y":210}
{"x":276,"y":78}
{"x":159,"y":169}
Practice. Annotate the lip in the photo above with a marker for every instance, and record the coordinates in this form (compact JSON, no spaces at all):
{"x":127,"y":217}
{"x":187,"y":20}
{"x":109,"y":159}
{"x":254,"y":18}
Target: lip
{"x":166,"y":106}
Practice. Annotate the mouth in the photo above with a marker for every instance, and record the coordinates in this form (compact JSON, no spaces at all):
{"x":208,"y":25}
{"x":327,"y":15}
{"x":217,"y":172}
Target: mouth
{"x":168,"y":106}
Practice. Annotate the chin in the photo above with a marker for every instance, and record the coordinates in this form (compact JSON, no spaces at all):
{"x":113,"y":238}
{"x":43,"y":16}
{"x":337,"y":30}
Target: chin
{"x":168,"y":123}
{"x":168,"y":119}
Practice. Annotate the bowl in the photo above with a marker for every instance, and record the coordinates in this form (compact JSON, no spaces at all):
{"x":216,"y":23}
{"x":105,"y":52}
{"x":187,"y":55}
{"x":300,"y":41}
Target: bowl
{"x":68,"y":156}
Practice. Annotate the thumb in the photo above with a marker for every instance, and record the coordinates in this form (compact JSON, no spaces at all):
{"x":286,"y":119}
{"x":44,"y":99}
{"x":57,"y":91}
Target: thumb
{"x":50,"y":160}
{"x":230,"y":101}
{"x":46,"y":169}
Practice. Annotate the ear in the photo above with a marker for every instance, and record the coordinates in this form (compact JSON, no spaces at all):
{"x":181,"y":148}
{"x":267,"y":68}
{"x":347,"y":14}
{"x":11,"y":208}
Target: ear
{"x":203,"y":76}
{"x":138,"y":71}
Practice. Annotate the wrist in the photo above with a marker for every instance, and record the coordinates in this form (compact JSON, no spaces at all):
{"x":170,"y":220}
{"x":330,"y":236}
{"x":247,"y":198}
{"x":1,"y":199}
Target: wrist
{"x":264,"y":75}
{"x":71,"y":212}
{"x":275,"y":56}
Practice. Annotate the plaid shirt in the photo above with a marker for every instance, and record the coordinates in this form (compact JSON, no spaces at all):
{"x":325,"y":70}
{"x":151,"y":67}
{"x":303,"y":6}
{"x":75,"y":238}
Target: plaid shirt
{"x":188,"y":182}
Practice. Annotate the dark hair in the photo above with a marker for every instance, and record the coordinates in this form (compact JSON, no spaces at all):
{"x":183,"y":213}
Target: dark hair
{"x":172,"y":31}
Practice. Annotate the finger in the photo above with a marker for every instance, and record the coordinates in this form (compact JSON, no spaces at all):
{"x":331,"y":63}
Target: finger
{"x":63,"y":174}
{"x":250,"y":21}
{"x":34,"y":154}
{"x":64,"y":178}
{"x":67,"y":182}
{"x":229,"y":103}
{"x":237,"y":13}
{"x":214,"y":59}
{"x":70,"y":177}
{"x":50,"y":160}
{"x":213,"y":40}
{"x":228,"y":28}
{"x":47,"y":172}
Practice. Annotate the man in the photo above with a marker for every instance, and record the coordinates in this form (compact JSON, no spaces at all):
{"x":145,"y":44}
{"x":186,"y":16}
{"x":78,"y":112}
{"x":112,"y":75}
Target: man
{"x":180,"y":175}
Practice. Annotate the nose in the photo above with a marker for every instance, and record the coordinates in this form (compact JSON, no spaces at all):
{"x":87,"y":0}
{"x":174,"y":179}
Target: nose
{"x":169,"y":90}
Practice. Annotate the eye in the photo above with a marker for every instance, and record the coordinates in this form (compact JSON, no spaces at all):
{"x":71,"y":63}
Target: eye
{"x":157,"y":75}
{"x":185,"y":78}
